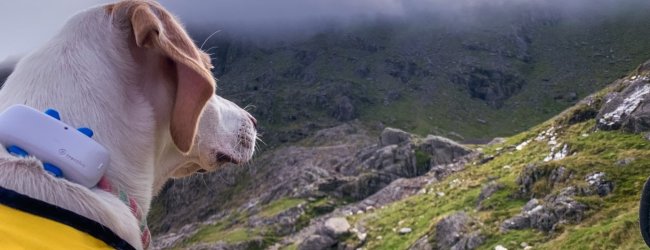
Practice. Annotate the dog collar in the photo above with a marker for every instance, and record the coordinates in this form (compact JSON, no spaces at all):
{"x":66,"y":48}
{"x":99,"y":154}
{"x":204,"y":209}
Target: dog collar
{"x":145,"y":234}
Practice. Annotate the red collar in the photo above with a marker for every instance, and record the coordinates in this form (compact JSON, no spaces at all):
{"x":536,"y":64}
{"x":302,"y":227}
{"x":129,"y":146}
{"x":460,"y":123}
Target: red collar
{"x":145,"y":235}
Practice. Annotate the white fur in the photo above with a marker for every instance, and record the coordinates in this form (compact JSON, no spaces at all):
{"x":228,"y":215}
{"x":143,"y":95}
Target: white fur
{"x":88,"y":74}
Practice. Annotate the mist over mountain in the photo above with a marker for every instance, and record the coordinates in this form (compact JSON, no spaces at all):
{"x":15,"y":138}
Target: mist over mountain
{"x":286,"y":19}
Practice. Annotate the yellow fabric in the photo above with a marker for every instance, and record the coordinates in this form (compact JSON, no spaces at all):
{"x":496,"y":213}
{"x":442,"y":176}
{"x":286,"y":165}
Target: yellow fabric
{"x":21,"y":230}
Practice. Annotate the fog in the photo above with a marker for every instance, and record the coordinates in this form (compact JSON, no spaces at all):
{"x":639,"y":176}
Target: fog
{"x":269,"y":17}
{"x":24,"y":25}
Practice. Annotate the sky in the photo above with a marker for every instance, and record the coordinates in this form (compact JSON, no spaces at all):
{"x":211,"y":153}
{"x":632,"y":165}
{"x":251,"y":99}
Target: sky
{"x":27,"y":24}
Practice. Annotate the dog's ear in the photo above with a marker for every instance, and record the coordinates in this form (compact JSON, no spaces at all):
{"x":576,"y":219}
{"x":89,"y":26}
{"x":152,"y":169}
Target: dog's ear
{"x":154,"y":28}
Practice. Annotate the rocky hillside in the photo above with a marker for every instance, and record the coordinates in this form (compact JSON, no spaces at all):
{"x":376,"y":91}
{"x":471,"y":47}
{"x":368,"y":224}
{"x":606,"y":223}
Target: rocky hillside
{"x":571,"y":182}
{"x":333,"y":172}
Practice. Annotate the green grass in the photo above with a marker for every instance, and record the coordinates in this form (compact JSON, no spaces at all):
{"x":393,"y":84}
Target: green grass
{"x":275,"y":207}
{"x":220,"y":232}
{"x":611,"y":221}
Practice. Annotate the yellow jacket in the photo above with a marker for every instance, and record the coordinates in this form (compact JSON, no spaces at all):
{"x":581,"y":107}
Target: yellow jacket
{"x":27,"y":223}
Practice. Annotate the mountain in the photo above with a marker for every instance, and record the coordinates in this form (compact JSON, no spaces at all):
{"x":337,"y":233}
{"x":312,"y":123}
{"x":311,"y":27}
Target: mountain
{"x":489,"y":72}
{"x":573,"y":181}
{"x":335,"y":172}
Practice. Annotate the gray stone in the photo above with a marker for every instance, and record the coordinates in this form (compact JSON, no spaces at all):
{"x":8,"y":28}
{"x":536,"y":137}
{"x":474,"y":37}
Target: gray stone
{"x":422,"y":244}
{"x":532,"y":203}
{"x":317,"y":242}
{"x":471,"y":241}
{"x":556,"y":209}
{"x":456,"y":232}
{"x":543,"y":219}
{"x":516,"y":222}
{"x":442,"y":150}
{"x":599,"y":184}
{"x":405,"y":230}
{"x":392,"y":136}
{"x":337,"y":226}
{"x":628,"y":110}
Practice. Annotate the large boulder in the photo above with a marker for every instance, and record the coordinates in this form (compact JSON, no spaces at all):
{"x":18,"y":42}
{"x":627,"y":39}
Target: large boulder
{"x":442,"y":150}
{"x":392,"y":136}
{"x":629,"y":109}
{"x":458,"y":232}
{"x":337,"y":227}
{"x":556,"y":208}
{"x":317,"y":242}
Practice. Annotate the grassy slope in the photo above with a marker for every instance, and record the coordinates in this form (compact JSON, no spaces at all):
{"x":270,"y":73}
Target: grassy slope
{"x":612,"y":220}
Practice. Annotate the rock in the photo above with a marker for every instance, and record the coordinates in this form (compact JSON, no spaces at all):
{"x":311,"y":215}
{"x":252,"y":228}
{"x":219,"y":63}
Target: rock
{"x":442,"y":150}
{"x":532,"y":173}
{"x":515,"y":223}
{"x":471,"y":241}
{"x":624,"y":162}
{"x":556,"y":208}
{"x":337,"y":227}
{"x":422,"y":244}
{"x":523,"y":244}
{"x":559,"y":174}
{"x":490,"y":85}
{"x":362,"y":236}
{"x":543,"y":218}
{"x":405,"y":230}
{"x":628,"y":110}
{"x":500,"y":247}
{"x":317,"y":242}
{"x":599,"y":184}
{"x":456,"y":232}
{"x":392,"y":136}
{"x":532,"y":203}
{"x":487,"y":191}
{"x":528,"y":248}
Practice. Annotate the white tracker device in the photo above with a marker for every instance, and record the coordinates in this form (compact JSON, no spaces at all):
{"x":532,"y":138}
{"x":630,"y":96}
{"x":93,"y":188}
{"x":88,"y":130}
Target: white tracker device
{"x":80,"y":158}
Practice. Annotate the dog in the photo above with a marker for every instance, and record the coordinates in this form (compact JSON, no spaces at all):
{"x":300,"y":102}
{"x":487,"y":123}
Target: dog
{"x":129,"y":71}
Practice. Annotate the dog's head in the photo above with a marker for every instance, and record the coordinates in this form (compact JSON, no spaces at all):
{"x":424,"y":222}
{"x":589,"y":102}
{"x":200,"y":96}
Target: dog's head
{"x":204,"y":130}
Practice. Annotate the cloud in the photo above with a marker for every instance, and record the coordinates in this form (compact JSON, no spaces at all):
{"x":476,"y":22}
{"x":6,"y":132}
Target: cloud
{"x":260,"y":17}
{"x":26,"y":24}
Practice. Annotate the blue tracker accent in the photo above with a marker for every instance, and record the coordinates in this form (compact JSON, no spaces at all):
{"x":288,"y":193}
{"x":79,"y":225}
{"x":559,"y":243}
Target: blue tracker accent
{"x":15,"y":150}
{"x":86,"y":131}
{"x":53,"y":113}
{"x":54,"y":170}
